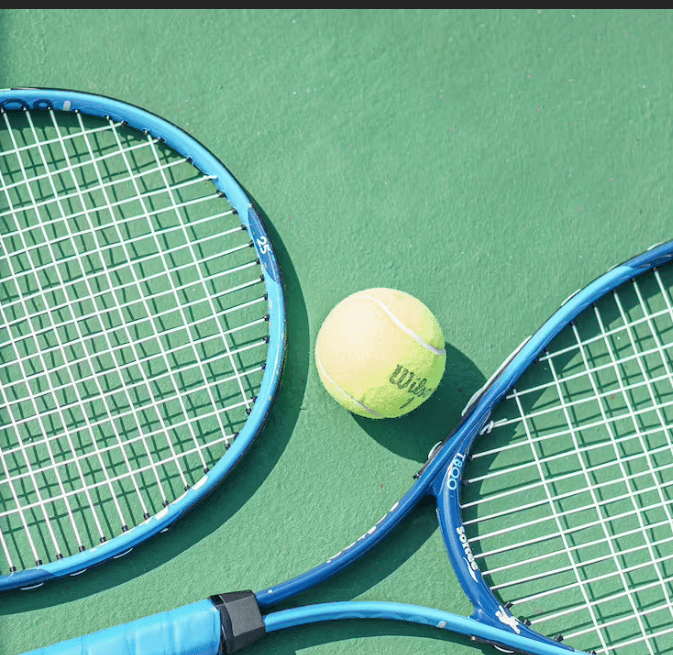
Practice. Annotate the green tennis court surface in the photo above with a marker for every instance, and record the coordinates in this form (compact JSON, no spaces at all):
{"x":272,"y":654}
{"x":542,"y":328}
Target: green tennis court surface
{"x":489,"y":163}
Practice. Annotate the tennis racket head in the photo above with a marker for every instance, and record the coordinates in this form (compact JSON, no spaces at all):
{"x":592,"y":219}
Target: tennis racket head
{"x":555,"y":494}
{"x":142,"y":328}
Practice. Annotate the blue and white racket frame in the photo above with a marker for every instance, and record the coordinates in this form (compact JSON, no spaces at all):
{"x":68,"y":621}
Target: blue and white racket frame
{"x":207,"y":163}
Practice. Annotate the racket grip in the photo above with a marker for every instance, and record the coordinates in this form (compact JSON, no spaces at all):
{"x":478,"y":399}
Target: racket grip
{"x":222,"y":624}
{"x":190,"y":630}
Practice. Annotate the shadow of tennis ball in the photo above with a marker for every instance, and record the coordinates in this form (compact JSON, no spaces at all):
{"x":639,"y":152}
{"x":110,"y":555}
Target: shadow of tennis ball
{"x":413,"y":435}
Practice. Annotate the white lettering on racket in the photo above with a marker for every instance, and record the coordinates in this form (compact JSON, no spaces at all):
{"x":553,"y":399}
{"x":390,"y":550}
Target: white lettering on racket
{"x":508,"y":619}
{"x":455,"y":471}
{"x":469,"y":557}
{"x":263,"y":245}
{"x":371,"y":530}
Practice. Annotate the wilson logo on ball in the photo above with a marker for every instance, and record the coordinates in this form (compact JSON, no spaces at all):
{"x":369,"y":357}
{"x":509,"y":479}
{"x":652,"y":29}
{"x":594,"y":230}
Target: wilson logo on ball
{"x":403,"y":379}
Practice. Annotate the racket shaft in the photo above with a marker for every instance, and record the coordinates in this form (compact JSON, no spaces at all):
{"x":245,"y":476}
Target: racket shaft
{"x":190,"y":630}
{"x":435,"y":618}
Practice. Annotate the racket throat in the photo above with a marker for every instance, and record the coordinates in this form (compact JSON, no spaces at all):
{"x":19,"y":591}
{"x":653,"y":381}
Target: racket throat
{"x":502,"y":648}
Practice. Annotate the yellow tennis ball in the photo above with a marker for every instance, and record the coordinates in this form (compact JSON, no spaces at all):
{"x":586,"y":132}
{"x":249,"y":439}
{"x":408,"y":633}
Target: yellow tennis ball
{"x":380,"y":353}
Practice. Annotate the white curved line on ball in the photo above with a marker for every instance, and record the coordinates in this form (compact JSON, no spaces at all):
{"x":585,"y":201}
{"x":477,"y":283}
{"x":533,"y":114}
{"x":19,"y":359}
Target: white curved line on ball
{"x":416,"y":337}
{"x":357,"y":402}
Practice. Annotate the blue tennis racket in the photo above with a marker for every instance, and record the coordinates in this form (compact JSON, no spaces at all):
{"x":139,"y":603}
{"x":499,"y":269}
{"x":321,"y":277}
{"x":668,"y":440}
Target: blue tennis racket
{"x":553,"y":496}
{"x":142,"y":329}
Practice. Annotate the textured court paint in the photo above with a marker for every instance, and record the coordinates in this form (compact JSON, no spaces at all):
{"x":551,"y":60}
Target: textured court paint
{"x":489,"y":162}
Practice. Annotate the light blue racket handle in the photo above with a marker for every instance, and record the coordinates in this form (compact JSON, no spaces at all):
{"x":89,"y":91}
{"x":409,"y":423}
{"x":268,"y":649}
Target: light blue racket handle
{"x":191,"y":630}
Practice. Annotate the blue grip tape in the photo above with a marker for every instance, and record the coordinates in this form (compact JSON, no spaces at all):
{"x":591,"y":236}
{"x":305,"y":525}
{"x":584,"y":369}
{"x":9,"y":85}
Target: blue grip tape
{"x":190,"y":630}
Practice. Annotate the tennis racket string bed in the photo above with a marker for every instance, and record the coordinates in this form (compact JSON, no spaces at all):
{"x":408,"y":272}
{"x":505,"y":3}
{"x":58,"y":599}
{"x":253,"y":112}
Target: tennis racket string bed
{"x":567,"y":502}
{"x":137,"y":319}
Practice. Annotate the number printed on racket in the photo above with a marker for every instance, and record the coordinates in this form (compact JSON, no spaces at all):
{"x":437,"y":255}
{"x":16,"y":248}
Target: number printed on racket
{"x":553,"y":493}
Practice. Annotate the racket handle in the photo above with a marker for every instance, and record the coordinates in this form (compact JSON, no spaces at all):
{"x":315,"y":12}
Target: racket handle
{"x":222,"y":624}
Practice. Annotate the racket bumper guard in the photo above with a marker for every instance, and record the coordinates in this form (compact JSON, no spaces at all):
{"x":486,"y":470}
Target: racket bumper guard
{"x":499,"y":647}
{"x":241,"y":619}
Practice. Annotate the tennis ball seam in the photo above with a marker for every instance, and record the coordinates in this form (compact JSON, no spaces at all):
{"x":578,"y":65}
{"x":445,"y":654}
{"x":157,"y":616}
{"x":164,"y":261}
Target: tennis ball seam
{"x":416,"y":337}
{"x":346,"y":395}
